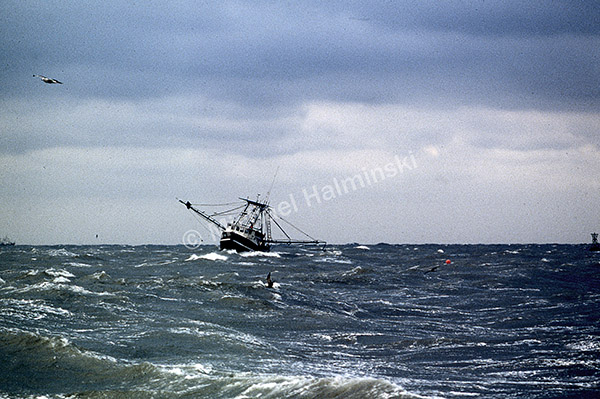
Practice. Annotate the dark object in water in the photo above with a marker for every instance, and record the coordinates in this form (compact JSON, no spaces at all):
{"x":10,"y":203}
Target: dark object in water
{"x":595,"y":245}
{"x":269,"y":281}
{"x":431,"y":270}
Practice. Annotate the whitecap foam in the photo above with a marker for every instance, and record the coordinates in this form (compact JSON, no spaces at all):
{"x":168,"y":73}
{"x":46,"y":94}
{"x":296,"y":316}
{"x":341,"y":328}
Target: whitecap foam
{"x":362,"y":247}
{"x":590,"y":344}
{"x":59,"y":273}
{"x":102,"y":275}
{"x":213,"y":256}
{"x":210,"y":256}
{"x":78,"y":264}
{"x":261,"y":283}
{"x":187,"y":371}
{"x":80,"y":290}
{"x":50,"y":286}
{"x":354,"y":272}
{"x":334,"y":260}
{"x":34,"y":309}
{"x":260,"y":253}
{"x":246,"y":263}
{"x":163,"y":298}
{"x":61,"y":252}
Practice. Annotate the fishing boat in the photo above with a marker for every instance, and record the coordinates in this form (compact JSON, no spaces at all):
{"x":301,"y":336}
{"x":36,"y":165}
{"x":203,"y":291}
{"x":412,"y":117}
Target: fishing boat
{"x":595,"y":245}
{"x":5,"y":242}
{"x":251,"y":229}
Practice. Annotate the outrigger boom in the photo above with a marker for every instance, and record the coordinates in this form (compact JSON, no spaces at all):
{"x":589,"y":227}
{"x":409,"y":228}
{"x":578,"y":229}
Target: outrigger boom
{"x":202,"y":214}
{"x":251,"y":229}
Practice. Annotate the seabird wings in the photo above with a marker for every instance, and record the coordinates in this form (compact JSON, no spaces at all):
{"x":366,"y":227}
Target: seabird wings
{"x":48,"y":80}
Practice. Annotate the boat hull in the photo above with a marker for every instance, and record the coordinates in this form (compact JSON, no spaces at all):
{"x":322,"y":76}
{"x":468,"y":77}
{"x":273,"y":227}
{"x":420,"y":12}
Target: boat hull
{"x":241,"y":243}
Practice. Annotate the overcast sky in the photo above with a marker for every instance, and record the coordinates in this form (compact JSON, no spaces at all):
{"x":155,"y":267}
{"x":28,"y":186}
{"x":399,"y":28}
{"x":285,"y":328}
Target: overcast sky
{"x":465,"y":122}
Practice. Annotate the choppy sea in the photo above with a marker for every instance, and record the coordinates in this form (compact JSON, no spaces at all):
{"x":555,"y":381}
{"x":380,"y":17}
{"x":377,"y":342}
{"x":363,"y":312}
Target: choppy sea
{"x":350,"y":321}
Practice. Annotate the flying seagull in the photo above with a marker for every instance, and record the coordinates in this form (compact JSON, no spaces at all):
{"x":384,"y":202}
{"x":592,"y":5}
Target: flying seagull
{"x":48,"y":80}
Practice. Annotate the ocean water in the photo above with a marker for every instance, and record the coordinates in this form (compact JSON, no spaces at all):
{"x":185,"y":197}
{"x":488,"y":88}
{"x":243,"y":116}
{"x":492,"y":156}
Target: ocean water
{"x":350,"y":321}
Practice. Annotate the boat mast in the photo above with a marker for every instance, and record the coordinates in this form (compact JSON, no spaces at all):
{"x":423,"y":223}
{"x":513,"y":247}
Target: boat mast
{"x":254,"y":218}
{"x":268,"y":226}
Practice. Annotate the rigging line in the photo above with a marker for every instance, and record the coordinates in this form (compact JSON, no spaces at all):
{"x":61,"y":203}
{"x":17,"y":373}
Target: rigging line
{"x":196,"y":213}
{"x":222,"y":214}
{"x":199,"y":219}
{"x":278,"y":225}
{"x":203,"y":225}
{"x":227,"y":211}
{"x":226,"y":204}
{"x":312,"y":238}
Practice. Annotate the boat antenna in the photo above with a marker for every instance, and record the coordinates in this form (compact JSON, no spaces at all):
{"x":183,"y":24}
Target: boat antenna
{"x":272,"y":183}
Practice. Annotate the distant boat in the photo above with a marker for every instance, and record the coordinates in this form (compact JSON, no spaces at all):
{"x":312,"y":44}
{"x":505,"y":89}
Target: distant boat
{"x":5,"y":242}
{"x":595,"y":245}
{"x":251,"y":229}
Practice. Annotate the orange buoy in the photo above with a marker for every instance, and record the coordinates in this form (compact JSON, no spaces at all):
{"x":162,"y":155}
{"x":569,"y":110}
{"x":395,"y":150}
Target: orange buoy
{"x":448,"y":261}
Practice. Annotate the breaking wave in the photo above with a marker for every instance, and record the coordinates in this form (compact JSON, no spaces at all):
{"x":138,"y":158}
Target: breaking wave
{"x":38,"y":363}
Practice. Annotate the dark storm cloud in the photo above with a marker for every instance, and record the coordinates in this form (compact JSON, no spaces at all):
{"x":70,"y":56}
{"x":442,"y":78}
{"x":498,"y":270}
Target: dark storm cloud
{"x":261,"y":53}
{"x":485,"y":18}
{"x":236,"y":75}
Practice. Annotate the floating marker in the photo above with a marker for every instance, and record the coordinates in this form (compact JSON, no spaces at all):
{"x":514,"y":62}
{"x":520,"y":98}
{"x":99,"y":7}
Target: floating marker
{"x":448,"y":261}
